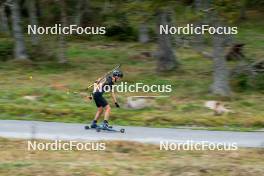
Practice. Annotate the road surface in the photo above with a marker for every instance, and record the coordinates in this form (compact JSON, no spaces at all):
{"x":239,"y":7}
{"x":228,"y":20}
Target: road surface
{"x":74,"y":131}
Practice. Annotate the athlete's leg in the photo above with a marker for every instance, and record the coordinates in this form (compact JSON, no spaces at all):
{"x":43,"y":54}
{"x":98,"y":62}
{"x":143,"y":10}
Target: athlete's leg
{"x":107,"y":112}
{"x":106,"y":116}
{"x":97,"y":116}
{"x":98,"y":113}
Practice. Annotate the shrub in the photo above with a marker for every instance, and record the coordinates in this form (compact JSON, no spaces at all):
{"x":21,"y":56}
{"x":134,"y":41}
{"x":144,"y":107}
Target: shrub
{"x":259,"y":82}
{"x":122,"y":33}
{"x":244,"y":82}
{"x":6,"y":49}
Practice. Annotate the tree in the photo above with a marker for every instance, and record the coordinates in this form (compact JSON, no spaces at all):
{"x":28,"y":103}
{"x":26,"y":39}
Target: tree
{"x":198,"y":5}
{"x":220,"y":84}
{"x":62,"y":42}
{"x":33,"y":20}
{"x":20,"y":49}
{"x":81,"y":7}
{"x":143,"y":33}
{"x":142,"y":12}
{"x":3,"y":18}
{"x":201,"y":10}
{"x":166,"y":57}
{"x":243,"y":8}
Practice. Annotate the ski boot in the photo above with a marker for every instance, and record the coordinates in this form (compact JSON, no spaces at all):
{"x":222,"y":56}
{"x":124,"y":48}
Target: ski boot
{"x":105,"y":125}
{"x":94,"y":124}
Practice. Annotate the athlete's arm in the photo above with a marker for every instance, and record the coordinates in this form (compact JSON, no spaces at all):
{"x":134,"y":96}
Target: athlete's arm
{"x":114,"y":97}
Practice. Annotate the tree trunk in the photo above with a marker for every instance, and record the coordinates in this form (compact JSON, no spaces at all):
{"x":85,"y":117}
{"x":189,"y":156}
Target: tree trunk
{"x":20,"y":50}
{"x":79,"y":12}
{"x":62,"y":49}
{"x":143,"y":33}
{"x":201,"y":6}
{"x":198,"y":5}
{"x":242,"y":14}
{"x":106,"y":6}
{"x":3,"y":19}
{"x":221,"y":73}
{"x":166,"y":57}
{"x":33,"y":20}
{"x":62,"y":42}
{"x":82,"y":8}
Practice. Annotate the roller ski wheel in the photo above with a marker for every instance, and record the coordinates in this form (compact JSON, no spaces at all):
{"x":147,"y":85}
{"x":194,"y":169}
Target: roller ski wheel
{"x":122,"y":130}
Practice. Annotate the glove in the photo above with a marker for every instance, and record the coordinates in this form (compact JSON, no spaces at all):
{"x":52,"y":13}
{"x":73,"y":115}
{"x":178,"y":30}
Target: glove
{"x":117,"y":105}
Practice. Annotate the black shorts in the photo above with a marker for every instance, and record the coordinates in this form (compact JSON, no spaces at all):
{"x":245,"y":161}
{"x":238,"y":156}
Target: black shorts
{"x":99,"y":100}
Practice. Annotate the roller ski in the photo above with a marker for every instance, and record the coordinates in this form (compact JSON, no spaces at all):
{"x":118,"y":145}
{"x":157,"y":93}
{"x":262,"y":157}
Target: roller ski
{"x":94,"y":126}
{"x":103,"y":127}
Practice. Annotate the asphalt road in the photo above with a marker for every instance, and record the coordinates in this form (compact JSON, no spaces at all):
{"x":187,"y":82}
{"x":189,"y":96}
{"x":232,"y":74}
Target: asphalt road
{"x":74,"y":131}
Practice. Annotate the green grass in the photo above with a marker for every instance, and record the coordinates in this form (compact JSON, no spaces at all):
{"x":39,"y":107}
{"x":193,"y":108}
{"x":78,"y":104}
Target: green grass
{"x":127,"y":158}
{"x":90,"y":59}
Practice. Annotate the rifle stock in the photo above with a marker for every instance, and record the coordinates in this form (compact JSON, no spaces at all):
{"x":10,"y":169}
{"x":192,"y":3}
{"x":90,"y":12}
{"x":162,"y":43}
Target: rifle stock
{"x":101,"y":78}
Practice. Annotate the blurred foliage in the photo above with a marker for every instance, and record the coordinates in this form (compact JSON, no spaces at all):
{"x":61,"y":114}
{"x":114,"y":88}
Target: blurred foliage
{"x":259,"y":4}
{"x":122,"y":33}
{"x":6,"y":49}
{"x":245,"y":82}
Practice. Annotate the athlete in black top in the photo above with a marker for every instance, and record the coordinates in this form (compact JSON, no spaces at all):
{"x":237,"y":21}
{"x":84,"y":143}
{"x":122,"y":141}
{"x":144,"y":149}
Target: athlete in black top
{"x":101,"y":103}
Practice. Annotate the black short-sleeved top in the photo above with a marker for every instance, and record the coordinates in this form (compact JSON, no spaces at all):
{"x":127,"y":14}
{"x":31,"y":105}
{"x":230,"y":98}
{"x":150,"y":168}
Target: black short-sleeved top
{"x":108,"y":82}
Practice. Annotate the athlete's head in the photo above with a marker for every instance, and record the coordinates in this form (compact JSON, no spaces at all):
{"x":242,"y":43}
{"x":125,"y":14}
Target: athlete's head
{"x":117,"y":74}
